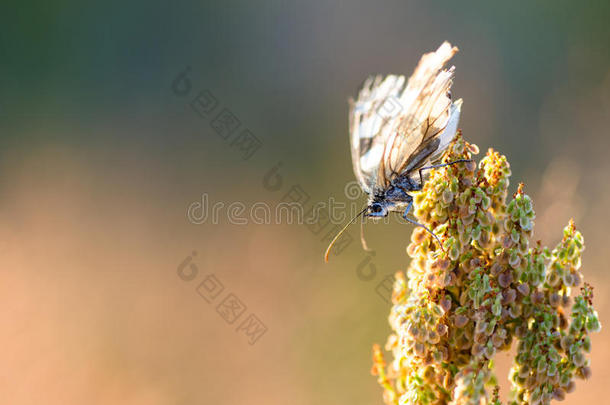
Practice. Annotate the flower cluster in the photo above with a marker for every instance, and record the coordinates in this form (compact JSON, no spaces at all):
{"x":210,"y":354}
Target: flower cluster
{"x":483,"y":289}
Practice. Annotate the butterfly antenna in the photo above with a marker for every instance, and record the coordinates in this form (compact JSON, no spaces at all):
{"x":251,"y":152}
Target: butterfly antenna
{"x":340,"y":233}
{"x":365,"y":246}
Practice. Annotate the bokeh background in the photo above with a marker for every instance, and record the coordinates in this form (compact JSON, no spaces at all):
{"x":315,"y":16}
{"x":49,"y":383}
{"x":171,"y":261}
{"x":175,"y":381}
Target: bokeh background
{"x":100,"y":159}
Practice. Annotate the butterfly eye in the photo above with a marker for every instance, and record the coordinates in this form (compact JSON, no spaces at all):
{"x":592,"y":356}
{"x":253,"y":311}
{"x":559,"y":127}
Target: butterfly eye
{"x":376,"y":208}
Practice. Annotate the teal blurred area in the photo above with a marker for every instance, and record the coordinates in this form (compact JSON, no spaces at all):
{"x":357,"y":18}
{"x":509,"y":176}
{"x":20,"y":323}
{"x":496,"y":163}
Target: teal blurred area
{"x":100,"y":159}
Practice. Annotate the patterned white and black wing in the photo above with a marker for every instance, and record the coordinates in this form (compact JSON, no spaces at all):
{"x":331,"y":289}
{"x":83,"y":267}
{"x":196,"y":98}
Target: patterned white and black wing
{"x":428,"y":119}
{"x":371,"y":125}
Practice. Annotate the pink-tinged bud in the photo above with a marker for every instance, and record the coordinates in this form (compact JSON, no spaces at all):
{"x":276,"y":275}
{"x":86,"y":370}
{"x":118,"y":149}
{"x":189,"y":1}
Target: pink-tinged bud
{"x":433,"y":337}
{"x":559,"y":394}
{"x":419,"y":349}
{"x":537,"y":297}
{"x":460,"y":321}
{"x":507,"y":242}
{"x":524,"y":289}
{"x":480,"y":327}
{"x":579,"y":359}
{"x":505,"y":279}
{"x":497,"y":340}
{"x":554,"y":300}
{"x":445,"y":304}
{"x":509,"y":296}
{"x":471,"y":166}
{"x":576,"y":279}
{"x":496,"y":269}
{"x":477,"y":349}
{"x":585,"y":372}
{"x":412,"y":249}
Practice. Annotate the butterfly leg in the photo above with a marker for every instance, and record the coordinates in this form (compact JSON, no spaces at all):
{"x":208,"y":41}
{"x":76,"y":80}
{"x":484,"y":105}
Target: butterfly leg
{"x":421,"y":177}
{"x":405,"y":216}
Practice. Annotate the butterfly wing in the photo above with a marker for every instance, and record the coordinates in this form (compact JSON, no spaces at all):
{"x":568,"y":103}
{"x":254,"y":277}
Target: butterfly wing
{"x":428,"y":120}
{"x":370,"y":128}
{"x":432,"y":148}
{"x":397,"y":126}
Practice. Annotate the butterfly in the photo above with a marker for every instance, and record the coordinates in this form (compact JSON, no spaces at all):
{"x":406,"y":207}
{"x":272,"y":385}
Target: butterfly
{"x":399,"y":129}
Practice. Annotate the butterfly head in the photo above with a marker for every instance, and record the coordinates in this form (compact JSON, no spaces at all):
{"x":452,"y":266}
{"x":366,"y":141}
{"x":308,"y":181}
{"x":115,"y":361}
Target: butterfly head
{"x":378,"y":209}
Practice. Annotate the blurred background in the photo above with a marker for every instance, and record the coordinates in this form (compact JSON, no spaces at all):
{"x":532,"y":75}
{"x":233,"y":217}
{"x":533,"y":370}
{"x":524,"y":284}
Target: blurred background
{"x":111,"y":295}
